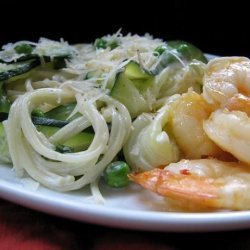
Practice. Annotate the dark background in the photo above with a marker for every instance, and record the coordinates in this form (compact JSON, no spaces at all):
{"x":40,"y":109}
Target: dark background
{"x":215,"y":29}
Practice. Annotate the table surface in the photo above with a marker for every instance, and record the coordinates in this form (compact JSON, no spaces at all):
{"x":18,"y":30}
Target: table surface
{"x":27,"y":229}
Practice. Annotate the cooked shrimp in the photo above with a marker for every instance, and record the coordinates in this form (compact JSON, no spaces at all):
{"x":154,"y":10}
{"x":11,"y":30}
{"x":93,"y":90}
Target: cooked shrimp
{"x":187,"y":116}
{"x":231,"y":131}
{"x":239,"y":102}
{"x":201,"y":184}
{"x":225,"y":77}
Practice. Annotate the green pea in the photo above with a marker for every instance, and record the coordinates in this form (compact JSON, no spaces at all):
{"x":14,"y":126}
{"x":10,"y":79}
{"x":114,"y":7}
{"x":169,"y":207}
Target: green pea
{"x":116,"y":174}
{"x":23,"y":48}
{"x":64,"y":149}
{"x":159,"y":50}
{"x":100,"y":43}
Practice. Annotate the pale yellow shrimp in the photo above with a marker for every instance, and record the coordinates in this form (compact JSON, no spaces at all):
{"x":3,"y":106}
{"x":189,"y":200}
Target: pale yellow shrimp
{"x":224,"y":77}
{"x":227,"y":85}
{"x":231,"y":131}
{"x":238,"y":102}
{"x":187,"y":116}
{"x":201,"y":184}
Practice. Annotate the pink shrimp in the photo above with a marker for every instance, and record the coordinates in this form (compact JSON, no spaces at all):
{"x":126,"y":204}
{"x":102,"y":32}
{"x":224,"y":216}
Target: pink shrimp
{"x":204,"y":183}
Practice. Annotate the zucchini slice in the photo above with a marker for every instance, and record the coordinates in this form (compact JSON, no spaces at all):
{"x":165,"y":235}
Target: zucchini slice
{"x":10,"y":70}
{"x":45,"y":121}
{"x":50,"y":126}
{"x":62,"y":112}
{"x":134,"y":71}
{"x":4,"y":149}
{"x":77,"y":142}
{"x":45,"y":48}
{"x":4,"y":101}
{"x":38,"y":120}
{"x":130,"y":88}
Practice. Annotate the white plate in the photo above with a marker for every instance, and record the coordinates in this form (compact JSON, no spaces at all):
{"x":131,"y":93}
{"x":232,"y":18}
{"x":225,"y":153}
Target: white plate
{"x":131,"y":208}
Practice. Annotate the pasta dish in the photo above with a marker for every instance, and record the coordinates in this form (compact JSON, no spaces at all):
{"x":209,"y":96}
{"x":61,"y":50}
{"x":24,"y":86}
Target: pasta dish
{"x":128,"y":108}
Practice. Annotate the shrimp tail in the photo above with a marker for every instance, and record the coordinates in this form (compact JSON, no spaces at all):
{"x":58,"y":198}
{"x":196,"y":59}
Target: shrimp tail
{"x":183,"y":186}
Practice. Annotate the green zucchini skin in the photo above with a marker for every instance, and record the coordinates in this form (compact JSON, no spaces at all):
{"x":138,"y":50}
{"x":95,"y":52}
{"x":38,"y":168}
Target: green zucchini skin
{"x":57,"y":117}
{"x":4,"y":102}
{"x":8,"y":71}
{"x":4,"y":149}
{"x":3,"y":116}
{"x":21,"y":58}
{"x":130,"y":87}
{"x":37,"y":120}
{"x":77,"y":143}
{"x":62,"y":112}
{"x":49,"y":126}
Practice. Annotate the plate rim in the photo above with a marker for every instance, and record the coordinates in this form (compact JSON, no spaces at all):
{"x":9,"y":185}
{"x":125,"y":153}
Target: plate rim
{"x":125,"y":218}
{"x":130,"y":219}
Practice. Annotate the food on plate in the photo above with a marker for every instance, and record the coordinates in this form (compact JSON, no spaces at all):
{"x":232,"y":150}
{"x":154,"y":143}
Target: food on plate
{"x":74,"y":114}
{"x":212,"y":125}
{"x":224,"y":78}
{"x":201,"y":184}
